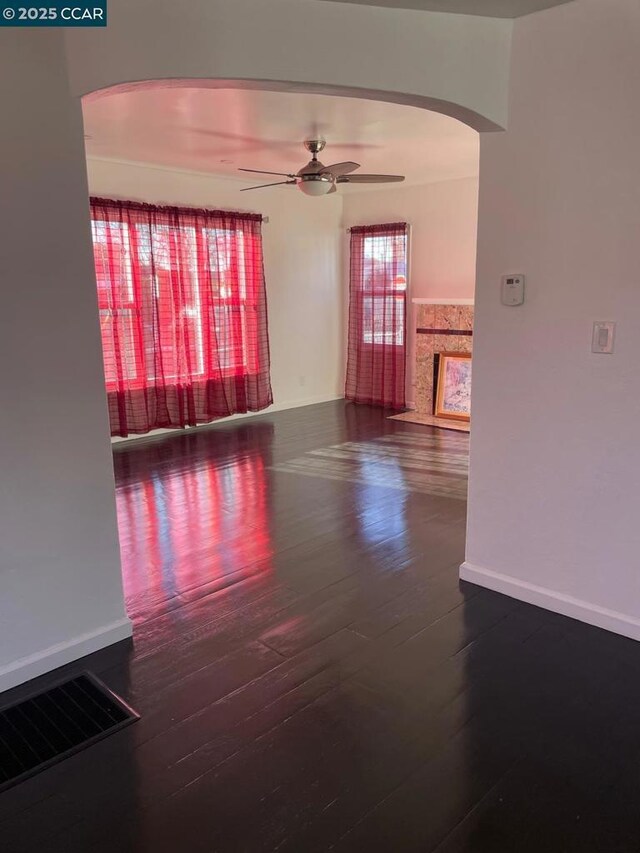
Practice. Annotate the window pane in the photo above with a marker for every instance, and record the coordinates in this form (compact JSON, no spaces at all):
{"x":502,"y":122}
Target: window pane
{"x":384,"y":274}
{"x":383,"y":320}
{"x":385,"y":262}
{"x":226,"y":249}
{"x":230,"y":323}
{"x":118,"y":346}
{"x":174,"y":332}
{"x":113,"y":263}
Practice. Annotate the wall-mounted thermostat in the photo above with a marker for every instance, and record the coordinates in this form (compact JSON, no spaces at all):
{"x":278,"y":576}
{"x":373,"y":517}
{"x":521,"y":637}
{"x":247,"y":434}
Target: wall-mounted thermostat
{"x":512,"y":289}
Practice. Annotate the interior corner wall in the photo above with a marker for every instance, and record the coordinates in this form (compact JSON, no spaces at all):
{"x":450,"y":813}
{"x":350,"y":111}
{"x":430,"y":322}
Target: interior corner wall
{"x":555,"y":460}
{"x":302,"y":247}
{"x":60,"y":583}
{"x":444,"y":221}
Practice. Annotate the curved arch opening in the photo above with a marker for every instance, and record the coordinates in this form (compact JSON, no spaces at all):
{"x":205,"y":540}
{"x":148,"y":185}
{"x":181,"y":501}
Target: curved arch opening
{"x":443,"y":218}
{"x":471,"y":118}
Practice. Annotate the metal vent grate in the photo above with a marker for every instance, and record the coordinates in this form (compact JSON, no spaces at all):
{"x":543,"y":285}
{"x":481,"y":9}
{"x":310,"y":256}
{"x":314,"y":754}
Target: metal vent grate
{"x":49,"y":726}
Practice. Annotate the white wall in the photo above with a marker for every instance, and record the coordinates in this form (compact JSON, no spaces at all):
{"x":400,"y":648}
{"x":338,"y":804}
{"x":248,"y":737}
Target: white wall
{"x":555,"y":460}
{"x":302,"y":248}
{"x":60,"y":585}
{"x":444,"y":222}
{"x":452,"y":63}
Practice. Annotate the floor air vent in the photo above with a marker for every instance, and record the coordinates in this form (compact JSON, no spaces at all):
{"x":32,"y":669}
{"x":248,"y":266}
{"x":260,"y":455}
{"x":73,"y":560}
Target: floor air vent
{"x":49,"y":726}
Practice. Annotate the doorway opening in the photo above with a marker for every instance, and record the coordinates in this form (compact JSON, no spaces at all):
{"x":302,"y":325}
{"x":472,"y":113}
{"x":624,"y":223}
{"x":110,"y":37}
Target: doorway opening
{"x":182,"y":145}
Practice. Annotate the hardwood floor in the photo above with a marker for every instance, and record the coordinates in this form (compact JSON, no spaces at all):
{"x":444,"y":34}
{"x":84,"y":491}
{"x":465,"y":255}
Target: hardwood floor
{"x":312,"y":675}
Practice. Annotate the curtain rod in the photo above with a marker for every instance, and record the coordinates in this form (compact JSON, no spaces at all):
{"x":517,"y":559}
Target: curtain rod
{"x":348,"y":230}
{"x":168,"y":205}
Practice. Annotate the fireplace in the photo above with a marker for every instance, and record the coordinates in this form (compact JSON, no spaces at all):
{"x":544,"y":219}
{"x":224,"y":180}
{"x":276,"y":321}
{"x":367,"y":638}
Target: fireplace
{"x":440,"y":327}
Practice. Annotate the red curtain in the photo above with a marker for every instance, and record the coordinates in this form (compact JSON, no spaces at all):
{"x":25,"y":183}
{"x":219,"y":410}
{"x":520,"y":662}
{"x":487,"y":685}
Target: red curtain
{"x":376,"y":360}
{"x":183,"y":314}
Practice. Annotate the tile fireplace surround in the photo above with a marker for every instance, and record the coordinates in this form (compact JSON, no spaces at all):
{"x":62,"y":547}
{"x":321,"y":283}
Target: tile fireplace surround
{"x":441,"y":327}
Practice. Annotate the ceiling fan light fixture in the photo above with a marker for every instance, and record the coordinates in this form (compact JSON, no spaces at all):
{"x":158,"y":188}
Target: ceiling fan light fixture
{"x":316,"y":179}
{"x":315,"y":185}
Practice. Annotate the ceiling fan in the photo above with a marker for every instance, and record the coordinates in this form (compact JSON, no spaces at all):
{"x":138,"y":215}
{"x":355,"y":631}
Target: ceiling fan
{"x":317,"y":179}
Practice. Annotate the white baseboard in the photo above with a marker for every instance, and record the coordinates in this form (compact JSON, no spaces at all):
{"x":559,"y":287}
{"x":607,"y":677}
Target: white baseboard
{"x":60,"y":654}
{"x":276,"y":407}
{"x":566,"y":605}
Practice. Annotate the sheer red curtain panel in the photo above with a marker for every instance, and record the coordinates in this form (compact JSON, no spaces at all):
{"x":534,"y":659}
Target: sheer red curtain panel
{"x":183,"y":314}
{"x":376,"y":355}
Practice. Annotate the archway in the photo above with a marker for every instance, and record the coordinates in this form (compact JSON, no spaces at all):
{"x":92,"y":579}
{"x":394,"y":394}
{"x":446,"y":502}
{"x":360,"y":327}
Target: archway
{"x":470,"y":117}
{"x":130,"y":105}
{"x":455,"y":64}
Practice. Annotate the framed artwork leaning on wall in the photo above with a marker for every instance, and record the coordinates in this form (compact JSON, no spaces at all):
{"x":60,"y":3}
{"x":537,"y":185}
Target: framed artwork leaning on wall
{"x":453,"y":395}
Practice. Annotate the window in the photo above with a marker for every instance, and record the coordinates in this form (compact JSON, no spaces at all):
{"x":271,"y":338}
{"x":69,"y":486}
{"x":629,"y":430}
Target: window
{"x":117,"y":315}
{"x":182,"y":304}
{"x":377,"y":315}
{"x":384,"y":288}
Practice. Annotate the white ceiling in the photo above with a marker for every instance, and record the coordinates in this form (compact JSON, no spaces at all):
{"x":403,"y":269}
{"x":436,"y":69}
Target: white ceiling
{"x":488,"y":8}
{"x":219,"y":130}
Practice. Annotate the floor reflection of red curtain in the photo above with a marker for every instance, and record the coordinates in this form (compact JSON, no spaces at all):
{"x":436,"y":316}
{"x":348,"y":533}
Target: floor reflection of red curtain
{"x":194,"y":530}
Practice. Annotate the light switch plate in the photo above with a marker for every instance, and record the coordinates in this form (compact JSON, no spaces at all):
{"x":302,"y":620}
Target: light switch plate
{"x":604,"y":332}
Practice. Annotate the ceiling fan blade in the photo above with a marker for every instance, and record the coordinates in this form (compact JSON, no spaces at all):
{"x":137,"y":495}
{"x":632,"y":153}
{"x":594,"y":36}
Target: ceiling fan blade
{"x":342,"y":168}
{"x":334,"y":189}
{"x":262,"y":186}
{"x":369,"y":179}
{"x":262,"y":172}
